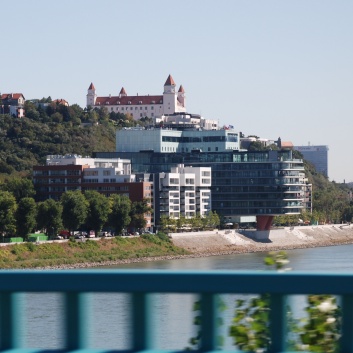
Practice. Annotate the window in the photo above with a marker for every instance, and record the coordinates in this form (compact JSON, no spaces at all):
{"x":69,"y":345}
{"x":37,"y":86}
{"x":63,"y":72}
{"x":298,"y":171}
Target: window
{"x":106,"y":172}
{"x":152,"y":107}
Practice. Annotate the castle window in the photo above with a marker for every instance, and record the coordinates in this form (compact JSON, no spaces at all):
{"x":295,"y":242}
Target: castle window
{"x":152,"y":108}
{"x":140,"y":108}
{"x":131,"y":108}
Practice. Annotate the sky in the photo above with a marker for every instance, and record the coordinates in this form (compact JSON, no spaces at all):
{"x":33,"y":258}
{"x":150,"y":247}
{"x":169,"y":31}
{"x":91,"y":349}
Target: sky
{"x":270,"y":68}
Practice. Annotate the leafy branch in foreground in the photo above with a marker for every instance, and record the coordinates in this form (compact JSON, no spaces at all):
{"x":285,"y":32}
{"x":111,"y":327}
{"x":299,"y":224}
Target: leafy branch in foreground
{"x":318,"y":332}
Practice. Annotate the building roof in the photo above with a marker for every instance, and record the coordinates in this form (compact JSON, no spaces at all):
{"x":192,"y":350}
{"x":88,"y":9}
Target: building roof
{"x":61,"y":101}
{"x":181,"y":89}
{"x":129,"y":100}
{"x":91,"y":86}
{"x":286,"y":144}
{"x":122,"y":91}
{"x":11,"y":95}
{"x":170,"y":81}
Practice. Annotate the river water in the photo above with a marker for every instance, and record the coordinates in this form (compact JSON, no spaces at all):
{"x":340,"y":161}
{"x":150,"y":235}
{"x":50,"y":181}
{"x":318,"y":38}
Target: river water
{"x":110,"y":325}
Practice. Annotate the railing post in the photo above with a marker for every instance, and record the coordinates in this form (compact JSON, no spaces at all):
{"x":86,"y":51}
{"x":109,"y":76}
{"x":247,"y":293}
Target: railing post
{"x":278,"y":323}
{"x":76,"y":320}
{"x":11,"y":320}
{"x":209,"y":329}
{"x":141,"y":322}
{"x":346,"y":341}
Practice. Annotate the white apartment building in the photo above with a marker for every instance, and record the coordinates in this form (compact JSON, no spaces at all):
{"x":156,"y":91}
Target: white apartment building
{"x":171,"y":101}
{"x":185,"y":191}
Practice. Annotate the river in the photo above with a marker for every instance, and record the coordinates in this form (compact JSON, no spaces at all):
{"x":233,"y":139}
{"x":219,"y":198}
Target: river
{"x":174,"y":314}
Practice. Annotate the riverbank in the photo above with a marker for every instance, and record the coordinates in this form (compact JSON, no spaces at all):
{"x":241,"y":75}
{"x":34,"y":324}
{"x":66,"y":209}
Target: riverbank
{"x":227,"y":242}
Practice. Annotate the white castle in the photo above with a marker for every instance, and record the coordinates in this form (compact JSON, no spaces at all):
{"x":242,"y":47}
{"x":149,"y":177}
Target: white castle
{"x":171,"y":102}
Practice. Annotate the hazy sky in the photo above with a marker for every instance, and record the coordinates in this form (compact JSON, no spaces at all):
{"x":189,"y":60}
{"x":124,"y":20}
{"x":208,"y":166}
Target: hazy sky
{"x":271,"y":68}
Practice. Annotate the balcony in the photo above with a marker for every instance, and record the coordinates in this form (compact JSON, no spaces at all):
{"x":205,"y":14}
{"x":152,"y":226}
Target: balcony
{"x":141,"y":284}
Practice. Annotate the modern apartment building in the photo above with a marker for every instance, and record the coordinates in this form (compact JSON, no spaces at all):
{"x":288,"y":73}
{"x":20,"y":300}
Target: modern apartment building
{"x":183,"y":191}
{"x":317,"y":155}
{"x":244,"y":183}
{"x":165,"y":140}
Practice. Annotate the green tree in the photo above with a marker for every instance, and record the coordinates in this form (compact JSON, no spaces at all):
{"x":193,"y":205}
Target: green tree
{"x":98,"y":210}
{"x":19,"y":187}
{"x":26,"y":216}
{"x":8,"y":208}
{"x":75,"y":209}
{"x":49,"y":216}
{"x":119,"y":217}
{"x":137,"y":213}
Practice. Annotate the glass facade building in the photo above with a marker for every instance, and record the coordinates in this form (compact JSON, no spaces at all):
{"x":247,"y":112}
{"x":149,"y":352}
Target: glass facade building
{"x":258,"y":183}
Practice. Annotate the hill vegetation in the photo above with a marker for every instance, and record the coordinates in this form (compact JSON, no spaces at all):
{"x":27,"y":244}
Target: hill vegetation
{"x":50,"y":128}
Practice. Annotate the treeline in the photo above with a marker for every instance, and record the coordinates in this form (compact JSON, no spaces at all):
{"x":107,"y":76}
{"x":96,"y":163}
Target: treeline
{"x":51,"y":128}
{"x":20,"y":214}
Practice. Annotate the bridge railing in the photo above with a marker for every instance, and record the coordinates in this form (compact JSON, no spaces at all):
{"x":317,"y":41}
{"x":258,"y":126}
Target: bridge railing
{"x":141,"y":284}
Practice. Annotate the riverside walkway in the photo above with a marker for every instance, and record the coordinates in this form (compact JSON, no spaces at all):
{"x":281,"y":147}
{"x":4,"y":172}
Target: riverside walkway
{"x":141,"y":285}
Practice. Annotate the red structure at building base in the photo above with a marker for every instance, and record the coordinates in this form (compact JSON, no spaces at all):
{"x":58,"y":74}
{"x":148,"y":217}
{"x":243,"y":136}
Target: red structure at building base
{"x":264,"y":222}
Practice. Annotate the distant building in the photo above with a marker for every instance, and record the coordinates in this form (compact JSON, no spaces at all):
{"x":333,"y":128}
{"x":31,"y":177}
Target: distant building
{"x":173,"y":141}
{"x":107,"y":176}
{"x":317,"y":155}
{"x":171,"y":101}
{"x":13,"y":104}
{"x":61,"y":102}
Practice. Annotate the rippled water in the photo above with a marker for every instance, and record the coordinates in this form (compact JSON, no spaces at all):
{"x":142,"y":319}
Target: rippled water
{"x":110,"y":323}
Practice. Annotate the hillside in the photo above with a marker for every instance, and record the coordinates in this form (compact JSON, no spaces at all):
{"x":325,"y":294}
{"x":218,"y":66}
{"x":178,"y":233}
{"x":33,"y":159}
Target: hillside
{"x":24,"y":142}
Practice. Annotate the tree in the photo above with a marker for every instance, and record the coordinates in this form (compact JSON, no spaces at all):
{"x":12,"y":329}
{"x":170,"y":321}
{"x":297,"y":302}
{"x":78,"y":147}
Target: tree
{"x":98,"y":210}
{"x":137,"y":214}
{"x":49,"y":216}
{"x":19,"y":187}
{"x":75,"y":209}
{"x":26,"y":216}
{"x":8,"y":208}
{"x":120,"y":207}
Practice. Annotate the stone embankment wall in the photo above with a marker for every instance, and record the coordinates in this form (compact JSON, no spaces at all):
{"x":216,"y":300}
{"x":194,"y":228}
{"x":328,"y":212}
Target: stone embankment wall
{"x":238,"y":241}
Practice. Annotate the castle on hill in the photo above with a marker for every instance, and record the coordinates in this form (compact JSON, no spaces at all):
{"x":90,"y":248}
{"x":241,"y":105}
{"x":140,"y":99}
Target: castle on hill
{"x":170,"y":102}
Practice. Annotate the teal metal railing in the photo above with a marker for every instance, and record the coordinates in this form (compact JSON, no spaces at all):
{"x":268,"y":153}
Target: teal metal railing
{"x":142,"y":284}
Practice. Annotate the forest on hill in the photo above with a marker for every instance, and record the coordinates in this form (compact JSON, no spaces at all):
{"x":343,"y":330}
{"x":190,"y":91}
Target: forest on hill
{"x":54,"y":129}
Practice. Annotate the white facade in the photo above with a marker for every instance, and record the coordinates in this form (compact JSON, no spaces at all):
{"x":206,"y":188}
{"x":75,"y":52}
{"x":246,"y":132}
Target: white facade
{"x":185,"y":191}
{"x":197,"y":121}
{"x":171,"y":101}
{"x":120,"y":166}
{"x":172,"y":141}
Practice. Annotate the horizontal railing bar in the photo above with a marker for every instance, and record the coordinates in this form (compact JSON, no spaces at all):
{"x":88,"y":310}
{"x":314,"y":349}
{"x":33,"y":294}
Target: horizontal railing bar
{"x":93,"y":350}
{"x":162,"y":281}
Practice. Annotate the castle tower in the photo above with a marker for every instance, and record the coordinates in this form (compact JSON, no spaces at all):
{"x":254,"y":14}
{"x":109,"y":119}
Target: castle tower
{"x":122,"y":92}
{"x":181,"y":97}
{"x":169,"y":96}
{"x":91,"y":95}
